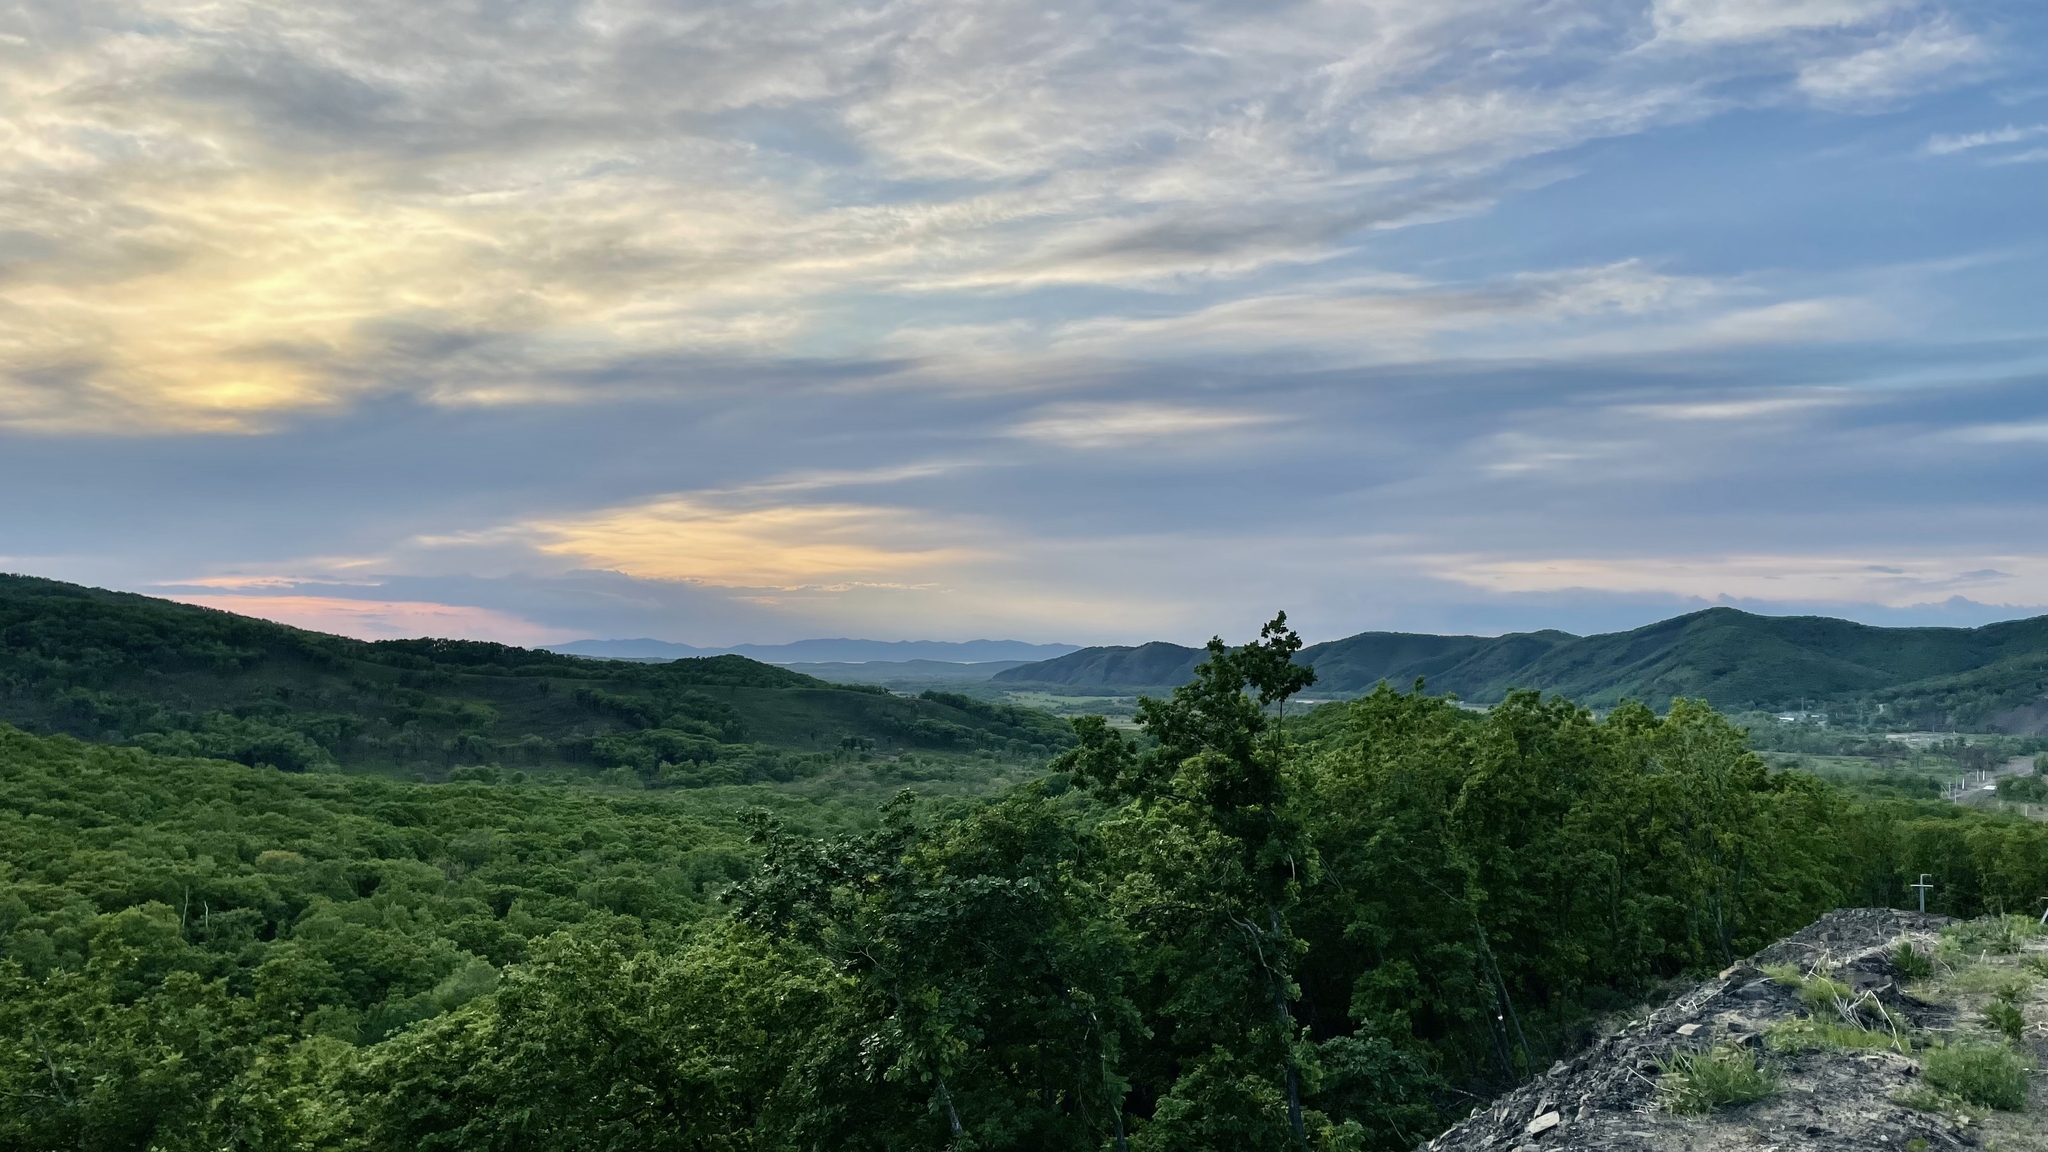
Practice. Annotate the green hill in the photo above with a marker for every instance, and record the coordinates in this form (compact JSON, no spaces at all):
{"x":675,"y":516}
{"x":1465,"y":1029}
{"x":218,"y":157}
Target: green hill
{"x":1112,"y":667}
{"x":181,"y":680}
{"x":1992,"y":677}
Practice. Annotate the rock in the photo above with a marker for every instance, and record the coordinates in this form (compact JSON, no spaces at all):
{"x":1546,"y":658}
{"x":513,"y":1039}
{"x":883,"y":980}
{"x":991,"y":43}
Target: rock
{"x":1606,"y":1093}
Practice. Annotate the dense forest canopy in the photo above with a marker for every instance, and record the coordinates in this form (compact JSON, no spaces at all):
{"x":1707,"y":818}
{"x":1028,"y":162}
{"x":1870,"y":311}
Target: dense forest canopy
{"x":1240,"y":927}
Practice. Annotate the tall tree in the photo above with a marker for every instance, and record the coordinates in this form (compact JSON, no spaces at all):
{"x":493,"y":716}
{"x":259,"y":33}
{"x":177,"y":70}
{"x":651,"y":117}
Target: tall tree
{"x":1212,"y":856}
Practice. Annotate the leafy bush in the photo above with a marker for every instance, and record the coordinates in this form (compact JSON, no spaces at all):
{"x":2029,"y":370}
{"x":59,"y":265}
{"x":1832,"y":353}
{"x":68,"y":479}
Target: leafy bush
{"x":1909,"y":963}
{"x":2023,"y":789}
{"x":1990,"y":1075}
{"x":2006,"y":1018}
{"x":1694,"y":1083}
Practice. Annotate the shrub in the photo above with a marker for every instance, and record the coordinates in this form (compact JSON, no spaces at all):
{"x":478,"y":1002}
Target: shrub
{"x":1693,"y":1083}
{"x":1990,"y":1075}
{"x":1989,"y":935}
{"x":1909,"y":963}
{"x":2005,"y":1018}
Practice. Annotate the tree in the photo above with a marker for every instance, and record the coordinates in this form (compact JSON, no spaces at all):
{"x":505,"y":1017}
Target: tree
{"x":983,"y":1000}
{"x":1212,"y":857}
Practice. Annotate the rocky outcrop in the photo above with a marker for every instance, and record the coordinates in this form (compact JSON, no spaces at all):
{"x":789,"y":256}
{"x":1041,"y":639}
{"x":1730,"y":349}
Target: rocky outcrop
{"x":1605,"y":1099}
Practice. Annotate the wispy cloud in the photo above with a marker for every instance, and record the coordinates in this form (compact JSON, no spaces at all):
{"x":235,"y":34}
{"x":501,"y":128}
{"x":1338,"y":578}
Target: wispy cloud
{"x":1944,"y":145}
{"x":1889,"y":580}
{"x":248,"y":210}
{"x":1110,"y":425}
{"x":1736,"y":21}
{"x":1913,"y":61}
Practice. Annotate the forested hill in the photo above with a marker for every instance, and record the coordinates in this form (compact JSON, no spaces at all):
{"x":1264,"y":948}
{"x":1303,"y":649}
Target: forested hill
{"x":118,"y":668}
{"x":1236,"y":934}
{"x":1994,"y":676}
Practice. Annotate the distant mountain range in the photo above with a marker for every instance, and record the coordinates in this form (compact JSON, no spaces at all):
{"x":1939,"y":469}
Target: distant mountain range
{"x":837,"y":651}
{"x":1970,"y":678}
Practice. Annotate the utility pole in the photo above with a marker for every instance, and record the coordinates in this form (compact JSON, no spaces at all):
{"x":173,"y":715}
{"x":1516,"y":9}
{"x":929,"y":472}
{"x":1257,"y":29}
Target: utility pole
{"x":1923,"y":886}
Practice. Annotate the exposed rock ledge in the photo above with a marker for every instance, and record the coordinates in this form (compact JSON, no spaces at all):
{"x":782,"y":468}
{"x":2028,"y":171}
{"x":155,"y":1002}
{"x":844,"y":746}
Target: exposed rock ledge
{"x":1604,"y":1098}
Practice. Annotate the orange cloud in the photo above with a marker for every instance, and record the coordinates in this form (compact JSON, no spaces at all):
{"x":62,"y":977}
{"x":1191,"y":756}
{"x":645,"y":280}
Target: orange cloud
{"x":388,"y":619}
{"x":785,"y":546}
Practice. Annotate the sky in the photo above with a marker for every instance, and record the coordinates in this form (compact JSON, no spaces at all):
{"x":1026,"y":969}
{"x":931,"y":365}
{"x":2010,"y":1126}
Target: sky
{"x":1064,"y":322}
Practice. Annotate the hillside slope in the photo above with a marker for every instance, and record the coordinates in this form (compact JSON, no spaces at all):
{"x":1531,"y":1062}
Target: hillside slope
{"x":1822,"y":1094}
{"x":125,"y":669}
{"x":1994,"y":676}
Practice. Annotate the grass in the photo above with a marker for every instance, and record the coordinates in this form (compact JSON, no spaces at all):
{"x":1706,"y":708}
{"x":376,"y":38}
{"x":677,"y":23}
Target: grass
{"x":1988,"y":936}
{"x":1695,"y":1083}
{"x":1787,"y":974}
{"x":2005,"y":1018}
{"x":1822,"y":994}
{"x":1991,"y":979}
{"x":1910,"y":963}
{"x":1928,"y":1099}
{"x":1816,"y":1034}
{"x":1837,"y":1018}
{"x":1988,"y":1075}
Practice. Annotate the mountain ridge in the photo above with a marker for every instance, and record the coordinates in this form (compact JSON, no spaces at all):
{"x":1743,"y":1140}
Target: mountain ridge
{"x":1995,"y":674}
{"x":180,"y":679}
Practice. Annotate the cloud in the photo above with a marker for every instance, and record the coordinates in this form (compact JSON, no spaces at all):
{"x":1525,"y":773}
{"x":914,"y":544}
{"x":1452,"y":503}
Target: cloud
{"x":2022,"y":432}
{"x":1621,"y":308}
{"x":221,"y":215}
{"x":387,"y":619}
{"x":1944,"y":145}
{"x":1109,"y":425}
{"x":779,"y":546}
{"x":1748,"y":408}
{"x":1897,"y":582}
{"x":1913,"y":61}
{"x":1730,"y":21}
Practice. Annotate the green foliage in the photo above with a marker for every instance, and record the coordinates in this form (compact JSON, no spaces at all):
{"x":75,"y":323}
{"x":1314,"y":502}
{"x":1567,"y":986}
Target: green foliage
{"x":2005,"y":1018}
{"x":1963,"y":678}
{"x":1495,"y":879}
{"x":1823,"y":994}
{"x":1695,"y":1083}
{"x":1242,"y":929}
{"x":598,"y":1043}
{"x":2023,"y":789}
{"x":187,"y":681}
{"x":174,"y":927}
{"x":1988,"y":936}
{"x":979,"y":992}
{"x":1825,"y":1034}
{"x":1909,"y":963}
{"x":1989,"y":1075}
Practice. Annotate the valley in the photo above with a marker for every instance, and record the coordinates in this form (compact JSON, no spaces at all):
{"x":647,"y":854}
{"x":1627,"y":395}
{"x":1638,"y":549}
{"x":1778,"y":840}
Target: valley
{"x":272,"y":889}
